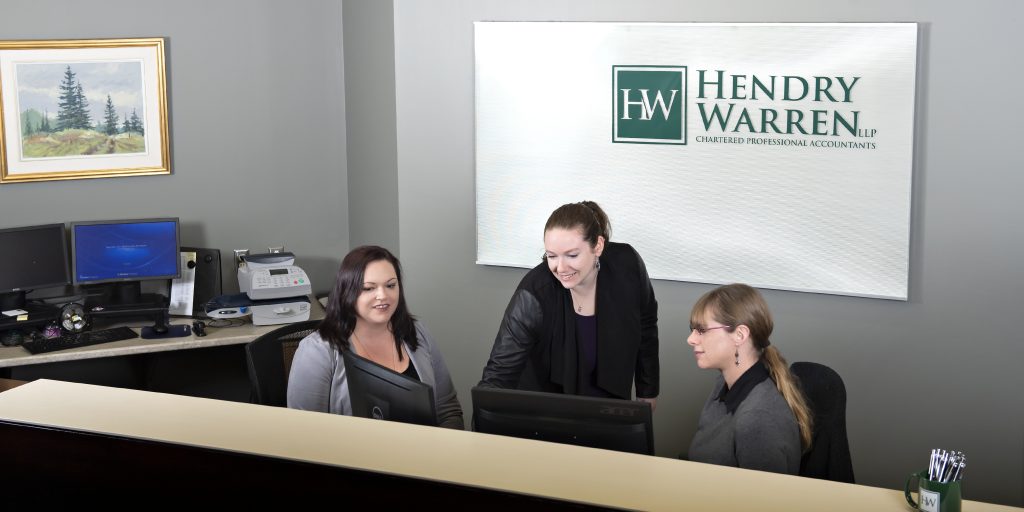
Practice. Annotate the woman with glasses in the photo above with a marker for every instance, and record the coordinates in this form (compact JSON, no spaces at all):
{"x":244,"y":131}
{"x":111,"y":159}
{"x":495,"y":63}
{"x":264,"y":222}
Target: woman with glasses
{"x":756,"y":416}
{"x":585,"y":320}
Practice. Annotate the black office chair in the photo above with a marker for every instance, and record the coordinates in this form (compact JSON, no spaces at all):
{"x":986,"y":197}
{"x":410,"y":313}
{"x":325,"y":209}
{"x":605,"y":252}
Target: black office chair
{"x":270,"y":359}
{"x":829,"y":456}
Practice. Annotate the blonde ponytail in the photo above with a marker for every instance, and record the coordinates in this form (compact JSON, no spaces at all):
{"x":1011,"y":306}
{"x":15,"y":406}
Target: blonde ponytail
{"x":779,"y":371}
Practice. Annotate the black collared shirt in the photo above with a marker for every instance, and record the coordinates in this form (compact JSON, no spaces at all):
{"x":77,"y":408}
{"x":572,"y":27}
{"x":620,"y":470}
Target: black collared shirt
{"x":734,"y":396}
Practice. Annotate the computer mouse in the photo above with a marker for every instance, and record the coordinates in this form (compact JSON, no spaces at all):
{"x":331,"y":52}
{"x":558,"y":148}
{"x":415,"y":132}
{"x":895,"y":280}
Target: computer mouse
{"x":199,"y":328}
{"x":160,"y":329}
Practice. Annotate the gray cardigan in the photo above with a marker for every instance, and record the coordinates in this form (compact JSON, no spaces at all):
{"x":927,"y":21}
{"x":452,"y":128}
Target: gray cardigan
{"x":762,"y":434}
{"x":317,"y":380}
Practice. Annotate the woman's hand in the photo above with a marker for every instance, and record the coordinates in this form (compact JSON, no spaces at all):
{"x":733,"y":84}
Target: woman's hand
{"x":652,"y":401}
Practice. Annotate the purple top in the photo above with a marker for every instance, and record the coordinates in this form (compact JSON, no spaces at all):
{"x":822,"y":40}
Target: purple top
{"x":586,"y":340}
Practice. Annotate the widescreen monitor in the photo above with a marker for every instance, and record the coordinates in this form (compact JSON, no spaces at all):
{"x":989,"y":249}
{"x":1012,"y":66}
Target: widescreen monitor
{"x":612,"y":424}
{"x":125,"y":252}
{"x":31,"y":257}
{"x":379,"y":393}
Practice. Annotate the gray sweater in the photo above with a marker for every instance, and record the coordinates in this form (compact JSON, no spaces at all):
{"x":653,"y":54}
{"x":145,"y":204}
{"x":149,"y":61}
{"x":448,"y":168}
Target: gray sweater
{"x":761,"y":434}
{"x":317,"y":380}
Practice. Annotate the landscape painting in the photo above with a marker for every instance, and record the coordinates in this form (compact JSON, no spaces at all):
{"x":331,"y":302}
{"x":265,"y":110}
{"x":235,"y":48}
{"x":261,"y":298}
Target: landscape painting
{"x":82,"y":109}
{"x":69,"y":109}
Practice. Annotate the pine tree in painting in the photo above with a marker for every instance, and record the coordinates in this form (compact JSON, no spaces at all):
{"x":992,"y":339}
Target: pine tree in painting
{"x":82,"y":115}
{"x":68,"y":102}
{"x":136,"y":123}
{"x":110,"y":117}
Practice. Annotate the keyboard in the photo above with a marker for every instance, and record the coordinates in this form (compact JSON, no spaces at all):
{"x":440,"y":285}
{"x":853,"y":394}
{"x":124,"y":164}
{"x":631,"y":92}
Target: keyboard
{"x":80,"y":339}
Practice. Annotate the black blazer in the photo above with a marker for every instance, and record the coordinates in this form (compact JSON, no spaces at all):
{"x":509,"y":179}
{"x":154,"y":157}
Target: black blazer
{"x":536,"y":348}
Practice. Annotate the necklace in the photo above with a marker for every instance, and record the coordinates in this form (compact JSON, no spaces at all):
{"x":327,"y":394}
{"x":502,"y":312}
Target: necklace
{"x":392,"y":364}
{"x":577,"y":301}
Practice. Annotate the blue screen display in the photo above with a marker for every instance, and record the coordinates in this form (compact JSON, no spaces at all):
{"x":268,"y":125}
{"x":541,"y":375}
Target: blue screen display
{"x":125,"y":251}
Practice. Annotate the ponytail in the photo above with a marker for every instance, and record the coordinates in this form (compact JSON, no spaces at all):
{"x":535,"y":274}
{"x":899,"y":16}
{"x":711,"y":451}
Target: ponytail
{"x":787,"y":385}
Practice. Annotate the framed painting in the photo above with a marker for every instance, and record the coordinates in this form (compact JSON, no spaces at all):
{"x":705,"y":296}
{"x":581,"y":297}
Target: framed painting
{"x":74,"y":109}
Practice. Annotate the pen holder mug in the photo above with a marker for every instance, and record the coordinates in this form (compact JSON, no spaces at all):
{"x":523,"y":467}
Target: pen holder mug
{"x":933,"y":496}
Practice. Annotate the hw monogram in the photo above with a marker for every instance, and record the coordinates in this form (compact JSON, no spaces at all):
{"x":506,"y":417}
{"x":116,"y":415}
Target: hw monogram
{"x":649,"y":104}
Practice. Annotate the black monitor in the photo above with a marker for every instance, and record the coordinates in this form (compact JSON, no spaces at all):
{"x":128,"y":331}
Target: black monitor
{"x":31,"y":257}
{"x":379,"y":393}
{"x":119,"y":254}
{"x":609,"y":423}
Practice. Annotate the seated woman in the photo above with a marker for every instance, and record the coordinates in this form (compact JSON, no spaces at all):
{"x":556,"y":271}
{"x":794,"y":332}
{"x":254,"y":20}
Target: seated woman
{"x":756,"y":416}
{"x":367,"y":313}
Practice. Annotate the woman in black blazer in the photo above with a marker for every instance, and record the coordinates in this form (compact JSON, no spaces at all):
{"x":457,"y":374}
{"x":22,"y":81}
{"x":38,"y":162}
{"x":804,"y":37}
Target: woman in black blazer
{"x":584,"y":321}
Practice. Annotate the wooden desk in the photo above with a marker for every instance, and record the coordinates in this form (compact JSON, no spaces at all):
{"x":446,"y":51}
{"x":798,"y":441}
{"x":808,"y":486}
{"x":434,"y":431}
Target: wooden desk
{"x":6,"y":384}
{"x":438,"y":463}
{"x":18,"y":356}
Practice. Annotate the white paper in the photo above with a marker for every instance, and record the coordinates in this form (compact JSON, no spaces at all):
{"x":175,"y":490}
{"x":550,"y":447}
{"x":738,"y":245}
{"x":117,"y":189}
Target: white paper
{"x":183,"y":289}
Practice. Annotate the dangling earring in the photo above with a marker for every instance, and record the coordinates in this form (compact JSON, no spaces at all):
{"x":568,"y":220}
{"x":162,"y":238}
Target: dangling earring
{"x":737,"y":356}
{"x":597,"y":263}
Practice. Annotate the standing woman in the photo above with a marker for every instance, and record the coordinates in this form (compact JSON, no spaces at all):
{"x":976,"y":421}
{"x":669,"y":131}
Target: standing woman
{"x":367,"y":314}
{"x":756,"y":416}
{"x":585,"y":320}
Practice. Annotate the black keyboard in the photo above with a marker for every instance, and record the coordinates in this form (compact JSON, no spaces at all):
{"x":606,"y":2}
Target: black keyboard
{"x":80,"y":339}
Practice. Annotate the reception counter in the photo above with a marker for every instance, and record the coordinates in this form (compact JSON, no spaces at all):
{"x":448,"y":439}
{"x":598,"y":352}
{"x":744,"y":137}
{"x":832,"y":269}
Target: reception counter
{"x":97,"y":439}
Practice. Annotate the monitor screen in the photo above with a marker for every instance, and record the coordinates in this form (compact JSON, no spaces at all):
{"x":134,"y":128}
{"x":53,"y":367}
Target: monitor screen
{"x":612,"y":424}
{"x":125,"y":250}
{"x":32,"y":257}
{"x":380,"y":393}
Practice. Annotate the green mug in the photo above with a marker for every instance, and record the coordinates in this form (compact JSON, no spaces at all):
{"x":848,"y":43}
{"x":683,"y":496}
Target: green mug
{"x":933,"y":496}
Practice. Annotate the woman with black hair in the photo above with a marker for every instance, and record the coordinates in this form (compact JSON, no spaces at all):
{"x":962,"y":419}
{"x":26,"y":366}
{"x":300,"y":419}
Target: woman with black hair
{"x":366,"y":313}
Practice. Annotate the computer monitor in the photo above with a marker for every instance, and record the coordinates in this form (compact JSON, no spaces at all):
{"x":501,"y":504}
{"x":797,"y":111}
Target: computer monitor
{"x":31,"y":257}
{"x":609,"y":423}
{"x":379,"y":393}
{"x":119,"y":254}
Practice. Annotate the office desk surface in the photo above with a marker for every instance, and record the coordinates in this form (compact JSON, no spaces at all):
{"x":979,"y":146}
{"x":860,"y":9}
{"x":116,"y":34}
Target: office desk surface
{"x":18,"y":356}
{"x":521,"y":466}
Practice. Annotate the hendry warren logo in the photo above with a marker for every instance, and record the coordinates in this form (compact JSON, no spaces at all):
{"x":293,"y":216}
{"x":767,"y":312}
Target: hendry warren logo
{"x":649,"y":104}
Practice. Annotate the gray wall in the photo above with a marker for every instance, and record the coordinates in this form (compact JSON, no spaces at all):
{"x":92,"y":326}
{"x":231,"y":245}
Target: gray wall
{"x":257,"y":115}
{"x":941,"y":370}
{"x":370,"y":114}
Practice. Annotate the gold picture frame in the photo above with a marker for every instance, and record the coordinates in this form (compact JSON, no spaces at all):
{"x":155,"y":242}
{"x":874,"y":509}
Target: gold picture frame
{"x":83,"y":108}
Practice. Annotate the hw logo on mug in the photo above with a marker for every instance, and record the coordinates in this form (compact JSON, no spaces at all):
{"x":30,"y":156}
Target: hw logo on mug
{"x":649,"y":104}
{"x":929,"y":500}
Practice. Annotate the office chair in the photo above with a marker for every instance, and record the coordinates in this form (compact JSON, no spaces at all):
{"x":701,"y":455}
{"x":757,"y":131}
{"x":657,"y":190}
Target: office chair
{"x":269,"y":358}
{"x":829,"y":456}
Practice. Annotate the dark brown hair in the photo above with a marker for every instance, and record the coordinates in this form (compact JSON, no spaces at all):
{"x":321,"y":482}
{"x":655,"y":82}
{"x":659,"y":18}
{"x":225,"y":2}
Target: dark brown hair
{"x":585,"y":215}
{"x":341,"y":316}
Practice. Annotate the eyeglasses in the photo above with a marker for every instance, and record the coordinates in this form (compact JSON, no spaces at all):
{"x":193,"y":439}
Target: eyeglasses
{"x":702,"y":330}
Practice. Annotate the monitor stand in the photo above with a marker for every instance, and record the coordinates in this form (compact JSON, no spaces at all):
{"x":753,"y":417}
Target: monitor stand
{"x":126,"y":296}
{"x":12,"y":300}
{"x":35,"y":314}
{"x":114,"y":301}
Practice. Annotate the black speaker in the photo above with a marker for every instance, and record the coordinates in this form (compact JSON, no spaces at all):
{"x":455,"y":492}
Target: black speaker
{"x":207,"y":283}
